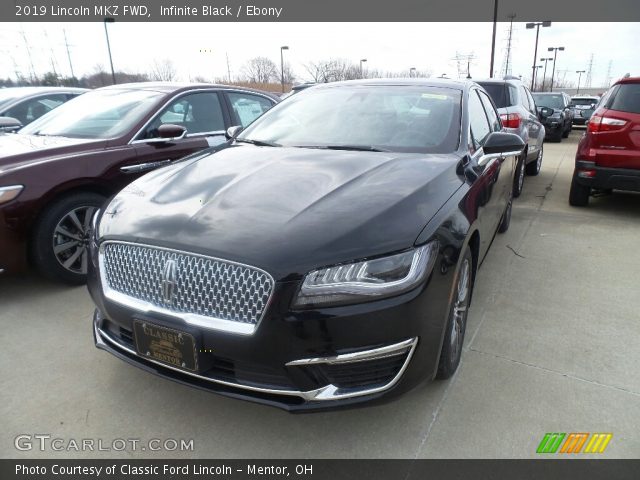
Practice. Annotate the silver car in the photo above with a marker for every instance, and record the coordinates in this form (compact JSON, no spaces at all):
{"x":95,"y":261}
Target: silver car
{"x":519,"y":115}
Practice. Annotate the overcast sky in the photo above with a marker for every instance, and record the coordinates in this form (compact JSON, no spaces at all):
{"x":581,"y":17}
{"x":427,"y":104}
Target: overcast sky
{"x":386,"y":46}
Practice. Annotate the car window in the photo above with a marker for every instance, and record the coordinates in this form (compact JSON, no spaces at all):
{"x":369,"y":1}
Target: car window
{"x":492,"y":115}
{"x":532,"y":102}
{"x":626,"y":98}
{"x":549,"y":100}
{"x":34,"y":108}
{"x":248,"y":107}
{"x":478,"y":122}
{"x":499,"y":93}
{"x":525,"y":98}
{"x":199,"y":112}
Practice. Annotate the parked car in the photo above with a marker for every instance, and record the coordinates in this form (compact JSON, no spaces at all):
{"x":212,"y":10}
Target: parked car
{"x":326,"y":256}
{"x":608,"y":155}
{"x":27,"y":104}
{"x":58,"y":170}
{"x":519,"y":115}
{"x":582,"y":107}
{"x":559,"y":123}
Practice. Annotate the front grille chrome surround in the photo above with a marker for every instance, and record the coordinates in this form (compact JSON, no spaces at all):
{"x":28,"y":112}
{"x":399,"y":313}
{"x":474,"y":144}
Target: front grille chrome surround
{"x":203,"y":291}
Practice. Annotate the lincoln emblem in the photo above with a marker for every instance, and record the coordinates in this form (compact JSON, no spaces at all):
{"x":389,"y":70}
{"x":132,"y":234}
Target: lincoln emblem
{"x":169,"y":280}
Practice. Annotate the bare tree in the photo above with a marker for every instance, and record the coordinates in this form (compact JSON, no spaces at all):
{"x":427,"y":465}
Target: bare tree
{"x":333,"y":70}
{"x":260,"y":70}
{"x":163,"y":71}
{"x":289,"y":76}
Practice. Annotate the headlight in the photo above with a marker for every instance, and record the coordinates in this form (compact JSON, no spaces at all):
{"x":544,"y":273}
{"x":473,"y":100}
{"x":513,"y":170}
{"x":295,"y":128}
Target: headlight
{"x":9,"y":193}
{"x":367,"y":280}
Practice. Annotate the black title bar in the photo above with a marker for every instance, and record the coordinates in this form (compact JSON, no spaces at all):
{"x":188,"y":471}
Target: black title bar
{"x":317,"y":10}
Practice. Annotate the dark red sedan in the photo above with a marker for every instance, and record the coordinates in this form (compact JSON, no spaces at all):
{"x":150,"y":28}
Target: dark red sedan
{"x":57,"y":171}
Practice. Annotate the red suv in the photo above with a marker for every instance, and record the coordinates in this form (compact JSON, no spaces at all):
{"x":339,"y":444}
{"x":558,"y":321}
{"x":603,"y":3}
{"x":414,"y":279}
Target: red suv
{"x":608,"y":155}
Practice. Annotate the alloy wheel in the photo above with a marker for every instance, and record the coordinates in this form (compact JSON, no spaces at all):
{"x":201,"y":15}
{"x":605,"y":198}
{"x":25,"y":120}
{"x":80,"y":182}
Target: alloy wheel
{"x":460,"y":308}
{"x":71,"y":239}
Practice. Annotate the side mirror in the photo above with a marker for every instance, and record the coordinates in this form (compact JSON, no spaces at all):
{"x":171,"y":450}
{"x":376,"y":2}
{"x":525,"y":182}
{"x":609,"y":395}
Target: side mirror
{"x":503,"y":143}
{"x":545,"y":112}
{"x":10,"y":124}
{"x":169,"y":131}
{"x":233,"y":132}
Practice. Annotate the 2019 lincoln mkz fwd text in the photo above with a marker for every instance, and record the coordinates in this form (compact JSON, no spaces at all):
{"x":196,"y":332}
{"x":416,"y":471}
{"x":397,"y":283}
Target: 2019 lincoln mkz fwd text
{"x":325,"y":256}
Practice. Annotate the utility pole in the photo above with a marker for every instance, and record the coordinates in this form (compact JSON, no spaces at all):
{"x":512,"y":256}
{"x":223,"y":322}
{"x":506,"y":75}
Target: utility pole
{"x":579,"y":72}
{"x":493,"y":37}
{"x":587,"y":79}
{"x":66,"y":44}
{"x":537,"y":26}
{"x":26,"y":44}
{"x":608,"y":79}
{"x":555,"y":56}
{"x":508,"y":59}
{"x":228,"y":67}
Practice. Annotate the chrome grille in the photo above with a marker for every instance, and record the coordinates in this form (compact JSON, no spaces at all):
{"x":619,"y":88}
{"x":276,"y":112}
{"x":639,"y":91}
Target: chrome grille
{"x":203,"y":286}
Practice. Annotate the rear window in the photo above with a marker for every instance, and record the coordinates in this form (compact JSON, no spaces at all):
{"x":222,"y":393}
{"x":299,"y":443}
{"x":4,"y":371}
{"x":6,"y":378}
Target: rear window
{"x":627,"y":98}
{"x":584,"y":101}
{"x":498,"y":93}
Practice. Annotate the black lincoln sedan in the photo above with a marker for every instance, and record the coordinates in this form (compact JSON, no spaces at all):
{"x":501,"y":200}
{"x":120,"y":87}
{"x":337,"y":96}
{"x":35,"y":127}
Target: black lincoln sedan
{"x":325,"y":256}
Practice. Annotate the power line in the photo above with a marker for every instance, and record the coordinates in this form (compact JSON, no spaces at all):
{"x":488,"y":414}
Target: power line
{"x":587,"y":79}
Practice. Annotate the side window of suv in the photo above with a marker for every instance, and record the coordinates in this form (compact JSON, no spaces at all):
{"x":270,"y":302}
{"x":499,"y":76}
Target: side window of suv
{"x":494,"y":120}
{"x":525,"y":98}
{"x":480,"y":128}
{"x":532,"y":102}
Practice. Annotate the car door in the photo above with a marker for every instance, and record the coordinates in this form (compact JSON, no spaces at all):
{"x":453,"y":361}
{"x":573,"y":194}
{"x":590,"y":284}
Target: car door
{"x":490,"y":180}
{"x":203,"y":115}
{"x":245,"y":107}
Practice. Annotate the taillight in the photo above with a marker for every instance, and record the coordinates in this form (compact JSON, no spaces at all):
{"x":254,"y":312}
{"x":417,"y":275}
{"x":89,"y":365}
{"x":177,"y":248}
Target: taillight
{"x":598,"y":123}
{"x":510,"y":120}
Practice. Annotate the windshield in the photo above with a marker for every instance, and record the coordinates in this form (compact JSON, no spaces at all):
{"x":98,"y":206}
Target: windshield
{"x":99,"y":114}
{"x":550,"y":101}
{"x":583,"y":101}
{"x":396,"y":118}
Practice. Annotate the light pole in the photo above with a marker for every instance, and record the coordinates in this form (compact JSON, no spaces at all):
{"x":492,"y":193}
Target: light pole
{"x":537,"y":26}
{"x":106,"y":32}
{"x":362,"y":60}
{"x":411,"y":70}
{"x":579,"y":72}
{"x":282,"y":49}
{"x":544,"y":76}
{"x":553,"y":70}
{"x":538,"y":67}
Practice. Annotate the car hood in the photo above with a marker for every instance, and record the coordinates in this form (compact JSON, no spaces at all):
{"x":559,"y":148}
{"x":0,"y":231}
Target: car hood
{"x":287,"y":210}
{"x":17,"y":149}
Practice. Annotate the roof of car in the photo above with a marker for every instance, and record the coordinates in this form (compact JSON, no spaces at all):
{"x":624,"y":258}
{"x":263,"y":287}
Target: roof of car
{"x":38,"y":90}
{"x":169,"y":87}
{"x":629,"y":80}
{"x":497,"y":80}
{"x":428,"y":82}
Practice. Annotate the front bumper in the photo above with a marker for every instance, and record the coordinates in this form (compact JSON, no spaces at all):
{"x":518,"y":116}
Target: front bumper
{"x":607,"y":178}
{"x":300,"y":360}
{"x":553,"y":128}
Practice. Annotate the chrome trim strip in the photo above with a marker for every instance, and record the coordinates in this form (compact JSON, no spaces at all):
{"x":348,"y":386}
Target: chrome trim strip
{"x":141,"y":167}
{"x":375,"y":354}
{"x":326,"y":393}
{"x":202,"y":321}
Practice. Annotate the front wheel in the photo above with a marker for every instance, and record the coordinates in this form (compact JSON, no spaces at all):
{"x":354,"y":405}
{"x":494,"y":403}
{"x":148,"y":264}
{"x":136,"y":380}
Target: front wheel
{"x":457,"y":321}
{"x":61,"y":237}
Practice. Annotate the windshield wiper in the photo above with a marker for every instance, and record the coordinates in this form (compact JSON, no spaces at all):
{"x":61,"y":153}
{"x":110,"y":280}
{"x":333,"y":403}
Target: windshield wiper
{"x":355,"y":148}
{"x":258,"y":143}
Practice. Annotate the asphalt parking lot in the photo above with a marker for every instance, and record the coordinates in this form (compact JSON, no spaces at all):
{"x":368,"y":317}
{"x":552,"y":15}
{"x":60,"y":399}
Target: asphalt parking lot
{"x":551,"y":346}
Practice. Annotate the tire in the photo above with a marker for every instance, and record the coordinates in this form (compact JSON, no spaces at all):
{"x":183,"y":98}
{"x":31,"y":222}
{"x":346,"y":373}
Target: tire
{"x":457,"y":320}
{"x":518,"y":181}
{"x":61,"y":237}
{"x":578,"y":194}
{"x":505,"y":221}
{"x":533,"y":168}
